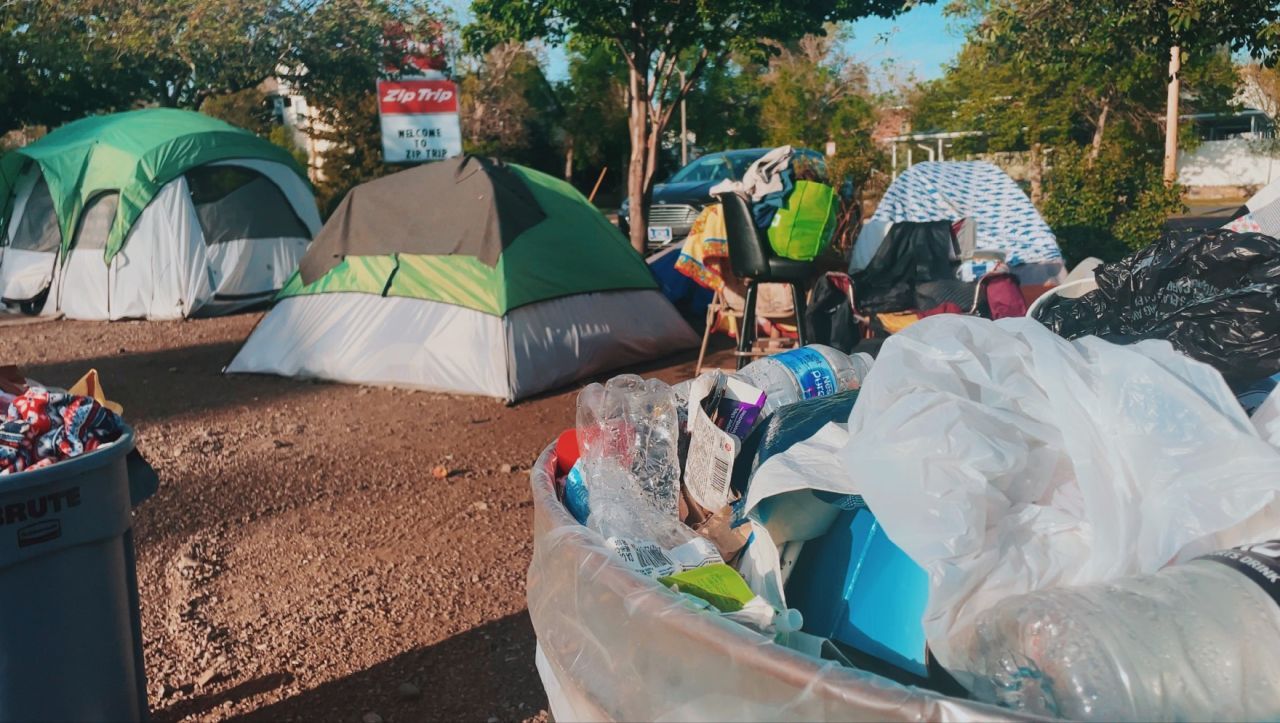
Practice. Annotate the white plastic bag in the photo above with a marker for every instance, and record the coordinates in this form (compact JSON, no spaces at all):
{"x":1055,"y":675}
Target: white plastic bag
{"x":1266,"y":418}
{"x":1004,"y":459}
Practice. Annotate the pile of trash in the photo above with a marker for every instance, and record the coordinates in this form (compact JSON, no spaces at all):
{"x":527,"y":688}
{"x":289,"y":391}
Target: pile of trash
{"x":42,"y":426}
{"x":1068,"y":527}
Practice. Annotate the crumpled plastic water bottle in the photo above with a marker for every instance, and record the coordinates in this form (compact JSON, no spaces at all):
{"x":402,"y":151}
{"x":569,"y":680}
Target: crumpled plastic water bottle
{"x":628,"y":432}
{"x":1195,"y":641}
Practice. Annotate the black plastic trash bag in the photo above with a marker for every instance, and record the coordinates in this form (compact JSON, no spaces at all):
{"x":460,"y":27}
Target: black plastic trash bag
{"x":829,"y":319}
{"x":1215,"y":296}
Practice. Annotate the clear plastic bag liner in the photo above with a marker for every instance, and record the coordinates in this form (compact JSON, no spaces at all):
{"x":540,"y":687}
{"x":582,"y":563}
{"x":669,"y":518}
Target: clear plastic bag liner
{"x":615,"y":645}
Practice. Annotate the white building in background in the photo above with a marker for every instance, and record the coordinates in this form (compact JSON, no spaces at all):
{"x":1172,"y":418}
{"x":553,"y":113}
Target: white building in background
{"x":293,"y":111}
{"x":1237,"y":154}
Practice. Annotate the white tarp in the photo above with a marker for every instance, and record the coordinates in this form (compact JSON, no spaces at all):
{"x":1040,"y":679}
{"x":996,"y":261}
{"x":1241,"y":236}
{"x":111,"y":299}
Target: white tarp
{"x":1005,"y":221}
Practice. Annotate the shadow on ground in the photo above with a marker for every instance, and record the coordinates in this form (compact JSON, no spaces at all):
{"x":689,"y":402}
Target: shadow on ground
{"x":483,"y":673}
{"x":143,"y":381}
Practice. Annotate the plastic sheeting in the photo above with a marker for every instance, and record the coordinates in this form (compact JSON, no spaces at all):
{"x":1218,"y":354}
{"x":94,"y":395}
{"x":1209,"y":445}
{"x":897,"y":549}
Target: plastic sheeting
{"x":1215,"y":296}
{"x":1004,"y":459}
{"x":617,"y":646}
{"x":1005,"y":220}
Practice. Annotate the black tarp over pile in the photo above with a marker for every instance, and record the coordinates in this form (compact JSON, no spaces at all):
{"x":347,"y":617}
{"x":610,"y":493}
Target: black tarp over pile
{"x":1215,"y":296}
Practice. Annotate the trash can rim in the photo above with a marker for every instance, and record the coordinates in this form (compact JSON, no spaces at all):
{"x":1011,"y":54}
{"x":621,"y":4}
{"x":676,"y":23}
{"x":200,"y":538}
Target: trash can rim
{"x":99,"y":457}
{"x":773,"y":659}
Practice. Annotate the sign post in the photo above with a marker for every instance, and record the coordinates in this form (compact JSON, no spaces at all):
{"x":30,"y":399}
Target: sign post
{"x":419,"y":120}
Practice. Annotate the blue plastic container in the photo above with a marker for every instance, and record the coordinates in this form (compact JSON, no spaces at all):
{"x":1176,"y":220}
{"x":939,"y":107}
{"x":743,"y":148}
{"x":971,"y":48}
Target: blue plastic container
{"x":856,"y":587}
{"x":70,"y":627}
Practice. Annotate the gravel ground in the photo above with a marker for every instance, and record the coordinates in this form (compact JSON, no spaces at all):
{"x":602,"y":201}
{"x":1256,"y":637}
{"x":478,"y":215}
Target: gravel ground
{"x":319,"y":551}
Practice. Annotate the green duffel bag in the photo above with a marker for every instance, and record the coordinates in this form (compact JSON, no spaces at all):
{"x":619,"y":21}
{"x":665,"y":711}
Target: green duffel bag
{"x":802,"y":228}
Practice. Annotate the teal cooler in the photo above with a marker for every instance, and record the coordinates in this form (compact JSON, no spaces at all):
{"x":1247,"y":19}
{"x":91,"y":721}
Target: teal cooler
{"x":857,"y":588}
{"x":70,"y":627}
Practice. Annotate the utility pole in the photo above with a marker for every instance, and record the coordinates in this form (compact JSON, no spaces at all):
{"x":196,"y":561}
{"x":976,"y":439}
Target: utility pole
{"x":684,"y":129}
{"x":1171,"y":117}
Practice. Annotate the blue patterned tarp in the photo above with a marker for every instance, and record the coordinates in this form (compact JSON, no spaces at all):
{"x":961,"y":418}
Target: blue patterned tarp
{"x":953,"y":190}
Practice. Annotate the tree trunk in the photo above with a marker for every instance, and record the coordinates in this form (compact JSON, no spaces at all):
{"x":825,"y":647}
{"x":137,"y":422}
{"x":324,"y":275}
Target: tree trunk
{"x":1171,"y":118}
{"x":636,"y":171}
{"x":1035,"y":173}
{"x":568,"y":158}
{"x":1099,"y":129}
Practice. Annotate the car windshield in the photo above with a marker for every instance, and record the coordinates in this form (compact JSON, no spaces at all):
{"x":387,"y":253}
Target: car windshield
{"x":715,"y":167}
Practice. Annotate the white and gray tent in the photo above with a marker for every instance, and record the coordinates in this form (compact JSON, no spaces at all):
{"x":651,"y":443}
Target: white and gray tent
{"x":466,"y":276}
{"x":158,"y":222}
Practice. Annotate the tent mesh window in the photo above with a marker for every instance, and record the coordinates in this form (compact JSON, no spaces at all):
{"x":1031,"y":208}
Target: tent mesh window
{"x":95,"y":222}
{"x":38,"y":230}
{"x":235,"y":204}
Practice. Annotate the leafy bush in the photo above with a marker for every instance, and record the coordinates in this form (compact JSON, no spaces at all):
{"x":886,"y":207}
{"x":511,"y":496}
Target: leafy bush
{"x":1108,"y":207}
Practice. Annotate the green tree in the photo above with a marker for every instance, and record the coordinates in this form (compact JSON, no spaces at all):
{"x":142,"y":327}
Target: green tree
{"x":54,"y":67}
{"x":249,"y":109}
{"x":657,"y":40}
{"x":338,"y":51}
{"x":726,"y":108}
{"x":595,"y":117}
{"x":508,"y":109}
{"x":815,"y":94}
{"x":1080,"y":91}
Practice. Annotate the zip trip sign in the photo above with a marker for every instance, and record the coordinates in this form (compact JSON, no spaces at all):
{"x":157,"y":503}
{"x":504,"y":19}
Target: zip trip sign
{"x":419,"y":120}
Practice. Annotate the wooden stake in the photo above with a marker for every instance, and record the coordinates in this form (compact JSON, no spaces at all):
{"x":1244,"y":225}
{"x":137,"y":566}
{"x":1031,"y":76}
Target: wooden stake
{"x":599,"y":180}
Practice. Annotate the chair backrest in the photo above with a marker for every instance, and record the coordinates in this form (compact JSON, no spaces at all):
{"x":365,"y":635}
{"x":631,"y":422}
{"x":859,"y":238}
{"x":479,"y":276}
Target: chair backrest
{"x":749,"y":249}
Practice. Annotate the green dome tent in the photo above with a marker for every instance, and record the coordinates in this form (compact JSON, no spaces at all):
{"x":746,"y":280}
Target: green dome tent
{"x":151,"y":213}
{"x":467,"y":275}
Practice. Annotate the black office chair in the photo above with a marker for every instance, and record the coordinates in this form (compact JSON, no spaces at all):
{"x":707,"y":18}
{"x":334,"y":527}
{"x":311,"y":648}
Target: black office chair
{"x":753,"y":261}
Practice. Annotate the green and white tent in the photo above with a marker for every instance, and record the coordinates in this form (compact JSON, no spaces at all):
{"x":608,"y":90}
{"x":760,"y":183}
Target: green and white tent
{"x":468,"y":276}
{"x":155,"y":213}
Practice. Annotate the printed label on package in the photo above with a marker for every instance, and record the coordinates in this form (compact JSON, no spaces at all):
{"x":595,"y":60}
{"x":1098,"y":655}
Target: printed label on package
{"x":645,"y":557}
{"x":812,"y":372}
{"x":698,"y":552}
{"x":1260,"y":563}
{"x":650,"y":559}
{"x":709,"y":466}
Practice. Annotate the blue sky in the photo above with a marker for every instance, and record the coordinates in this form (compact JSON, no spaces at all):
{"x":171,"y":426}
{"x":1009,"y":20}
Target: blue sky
{"x":918,"y":42}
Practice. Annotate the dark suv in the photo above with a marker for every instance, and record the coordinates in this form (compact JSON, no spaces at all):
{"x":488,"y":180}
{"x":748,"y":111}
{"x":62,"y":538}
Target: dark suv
{"x":679,"y":200}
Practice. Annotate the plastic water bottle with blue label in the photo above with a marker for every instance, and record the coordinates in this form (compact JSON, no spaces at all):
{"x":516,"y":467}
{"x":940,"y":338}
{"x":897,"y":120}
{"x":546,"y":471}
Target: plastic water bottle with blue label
{"x":1195,"y":641}
{"x":808,"y":372}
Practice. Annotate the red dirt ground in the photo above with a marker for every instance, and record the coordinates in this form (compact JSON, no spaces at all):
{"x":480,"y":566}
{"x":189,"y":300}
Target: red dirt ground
{"x":301,"y":561}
